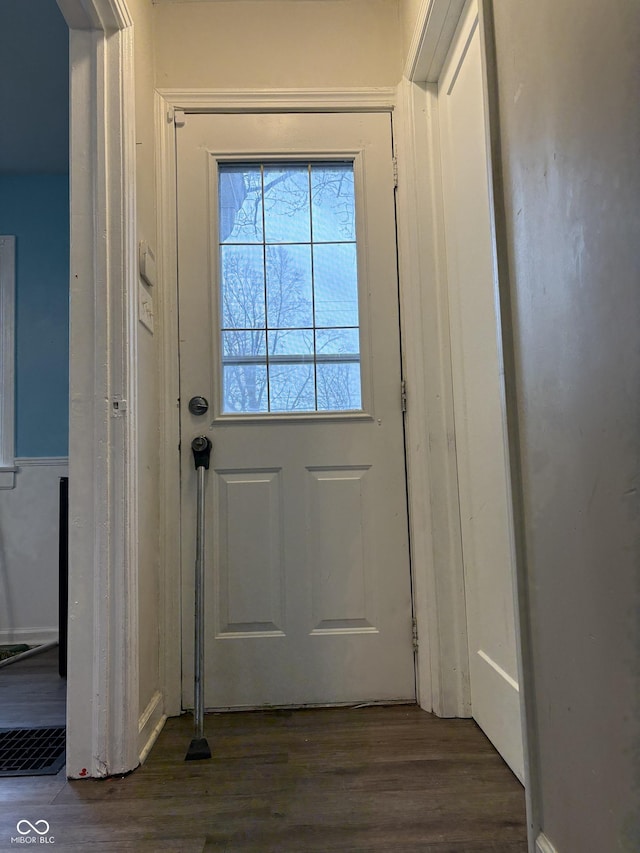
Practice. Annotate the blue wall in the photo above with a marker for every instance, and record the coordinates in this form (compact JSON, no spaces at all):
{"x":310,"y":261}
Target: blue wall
{"x":35,"y":208}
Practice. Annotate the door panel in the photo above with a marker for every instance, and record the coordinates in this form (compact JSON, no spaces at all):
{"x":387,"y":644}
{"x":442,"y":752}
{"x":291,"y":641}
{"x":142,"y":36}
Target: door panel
{"x":287,"y":281}
{"x":477,"y":388}
{"x":251,"y":597}
{"x":341,"y":584}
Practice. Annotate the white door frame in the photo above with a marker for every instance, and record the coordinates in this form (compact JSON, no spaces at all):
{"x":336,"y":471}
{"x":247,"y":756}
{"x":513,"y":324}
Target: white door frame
{"x":436,"y":549}
{"x":102,"y":687}
{"x":422,"y":238}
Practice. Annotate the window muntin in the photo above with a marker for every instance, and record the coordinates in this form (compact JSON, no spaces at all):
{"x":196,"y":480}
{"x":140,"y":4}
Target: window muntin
{"x":288,"y":288}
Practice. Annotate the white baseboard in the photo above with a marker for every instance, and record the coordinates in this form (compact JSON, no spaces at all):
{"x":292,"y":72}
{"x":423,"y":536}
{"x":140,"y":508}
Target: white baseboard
{"x":150,"y":724}
{"x":34,"y":461}
{"x":29,"y":636}
{"x":543,"y":845}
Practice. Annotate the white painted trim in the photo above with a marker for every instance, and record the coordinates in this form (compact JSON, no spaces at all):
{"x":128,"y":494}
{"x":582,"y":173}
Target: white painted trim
{"x":102,"y":706}
{"x":169,"y":391}
{"x":543,"y":845}
{"x":280,"y":100}
{"x":150,"y":725}
{"x":29,"y":636}
{"x":36,"y":650}
{"x":37,"y":461}
{"x":435,"y":25}
{"x":7,"y":355}
{"x":433,"y":491}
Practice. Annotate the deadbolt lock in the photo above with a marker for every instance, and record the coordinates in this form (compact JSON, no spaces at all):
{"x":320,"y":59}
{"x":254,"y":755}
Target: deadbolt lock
{"x":198,"y":405}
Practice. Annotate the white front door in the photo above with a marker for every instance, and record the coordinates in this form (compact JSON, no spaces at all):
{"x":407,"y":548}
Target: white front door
{"x":289,"y":327}
{"x":477,"y":386}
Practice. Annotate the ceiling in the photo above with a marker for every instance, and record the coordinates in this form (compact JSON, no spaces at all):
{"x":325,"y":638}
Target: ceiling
{"x":34,"y":87}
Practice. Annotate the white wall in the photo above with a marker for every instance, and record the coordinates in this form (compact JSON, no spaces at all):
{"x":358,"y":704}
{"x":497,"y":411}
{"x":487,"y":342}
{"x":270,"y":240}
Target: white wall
{"x":409,"y":12}
{"x":277,"y":43}
{"x":568,"y":81}
{"x":29,"y":537}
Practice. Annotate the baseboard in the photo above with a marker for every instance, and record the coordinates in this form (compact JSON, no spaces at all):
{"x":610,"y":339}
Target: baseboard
{"x":29,"y":636}
{"x":36,"y":650}
{"x":33,"y":461}
{"x":543,"y":845}
{"x":150,"y":724}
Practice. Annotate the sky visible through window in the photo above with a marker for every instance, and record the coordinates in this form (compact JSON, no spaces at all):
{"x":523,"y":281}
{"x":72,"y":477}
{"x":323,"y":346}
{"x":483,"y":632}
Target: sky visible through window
{"x":289,"y":288}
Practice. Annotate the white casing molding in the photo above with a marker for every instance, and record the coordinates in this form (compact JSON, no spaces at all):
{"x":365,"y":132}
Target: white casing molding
{"x":29,"y":636}
{"x":169,"y":402}
{"x":279,"y":100}
{"x":7,"y":358}
{"x":102,"y":706}
{"x":435,"y":25}
{"x":431,"y":457}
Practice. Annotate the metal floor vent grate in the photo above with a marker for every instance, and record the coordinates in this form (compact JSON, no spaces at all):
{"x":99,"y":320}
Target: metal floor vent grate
{"x":32,"y":752}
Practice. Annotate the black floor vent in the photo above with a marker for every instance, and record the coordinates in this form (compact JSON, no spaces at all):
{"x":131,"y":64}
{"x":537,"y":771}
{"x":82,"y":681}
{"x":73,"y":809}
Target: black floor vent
{"x":32,"y":752}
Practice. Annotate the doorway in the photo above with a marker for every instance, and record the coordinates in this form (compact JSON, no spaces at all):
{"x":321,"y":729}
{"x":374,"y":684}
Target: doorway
{"x":476,"y":359}
{"x":289,"y":326}
{"x":34,"y":411}
{"x":447,"y":188}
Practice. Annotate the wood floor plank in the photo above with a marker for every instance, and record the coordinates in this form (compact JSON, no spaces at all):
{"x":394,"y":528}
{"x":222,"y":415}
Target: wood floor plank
{"x":438,"y":776}
{"x":32,"y":693}
{"x":169,"y":845}
{"x":31,"y":790}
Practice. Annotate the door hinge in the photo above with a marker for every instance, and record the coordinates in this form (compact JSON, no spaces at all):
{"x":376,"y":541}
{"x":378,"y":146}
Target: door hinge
{"x":403,"y":395}
{"x":395,"y":172}
{"x":414,"y":634}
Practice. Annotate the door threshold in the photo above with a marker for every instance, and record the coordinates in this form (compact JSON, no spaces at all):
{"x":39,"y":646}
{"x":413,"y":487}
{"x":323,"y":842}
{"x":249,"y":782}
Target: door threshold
{"x":354,"y":706}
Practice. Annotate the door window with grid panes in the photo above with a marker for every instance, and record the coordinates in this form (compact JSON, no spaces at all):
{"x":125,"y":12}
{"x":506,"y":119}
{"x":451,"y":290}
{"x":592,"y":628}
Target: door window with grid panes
{"x":288,"y":276}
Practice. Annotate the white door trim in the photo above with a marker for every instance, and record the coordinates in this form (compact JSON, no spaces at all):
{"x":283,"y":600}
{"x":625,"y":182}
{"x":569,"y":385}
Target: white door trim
{"x":280,"y":100}
{"x":431,"y":456}
{"x":7,"y":358}
{"x":419,"y":179}
{"x":168,"y":102}
{"x":102,"y":690}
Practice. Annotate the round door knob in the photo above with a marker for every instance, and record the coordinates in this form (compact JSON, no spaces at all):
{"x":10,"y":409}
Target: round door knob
{"x":198,"y":405}
{"x":200,"y":443}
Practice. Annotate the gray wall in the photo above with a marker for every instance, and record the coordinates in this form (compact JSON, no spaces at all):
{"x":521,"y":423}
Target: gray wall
{"x":34,"y":88}
{"x":568,"y":85}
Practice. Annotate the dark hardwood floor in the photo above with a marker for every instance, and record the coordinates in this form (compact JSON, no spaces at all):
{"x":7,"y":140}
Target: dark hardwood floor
{"x":32,"y":693}
{"x":362,"y":780}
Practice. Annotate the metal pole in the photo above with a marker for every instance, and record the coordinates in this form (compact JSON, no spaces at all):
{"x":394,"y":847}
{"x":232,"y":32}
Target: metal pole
{"x":198,"y":654}
{"x":199,"y":747}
